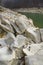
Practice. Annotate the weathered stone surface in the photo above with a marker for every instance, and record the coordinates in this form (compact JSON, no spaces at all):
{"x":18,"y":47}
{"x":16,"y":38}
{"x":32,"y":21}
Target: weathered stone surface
{"x":34,"y":60}
{"x":34,"y":34}
{"x":5,"y":24}
{"x":33,"y":49}
{"x":22,"y":41}
{"x":8,"y":39}
{"x":37,"y":58}
{"x":19,"y":37}
{"x":11,"y":57}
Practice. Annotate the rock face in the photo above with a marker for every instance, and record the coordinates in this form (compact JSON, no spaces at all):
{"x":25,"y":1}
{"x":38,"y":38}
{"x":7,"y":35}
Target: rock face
{"x":34,"y":60}
{"x":21,"y":43}
{"x":37,"y":55}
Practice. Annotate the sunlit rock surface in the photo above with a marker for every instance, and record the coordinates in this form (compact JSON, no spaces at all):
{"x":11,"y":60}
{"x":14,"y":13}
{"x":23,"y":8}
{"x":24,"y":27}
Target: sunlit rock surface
{"x":21,"y":43}
{"x":36,"y":58}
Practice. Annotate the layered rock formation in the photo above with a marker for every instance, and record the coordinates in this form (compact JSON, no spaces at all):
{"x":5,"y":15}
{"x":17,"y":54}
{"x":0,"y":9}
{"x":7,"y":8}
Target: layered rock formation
{"x":21,"y":43}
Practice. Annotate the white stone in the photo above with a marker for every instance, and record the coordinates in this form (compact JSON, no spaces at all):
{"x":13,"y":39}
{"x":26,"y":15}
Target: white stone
{"x":33,"y":49}
{"x":34,"y":34}
{"x":8,"y":40}
{"x":34,"y":60}
{"x":22,"y":41}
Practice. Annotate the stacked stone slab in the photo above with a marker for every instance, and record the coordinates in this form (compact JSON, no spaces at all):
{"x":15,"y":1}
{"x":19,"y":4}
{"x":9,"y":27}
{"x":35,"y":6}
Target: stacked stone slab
{"x":20,"y":40}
